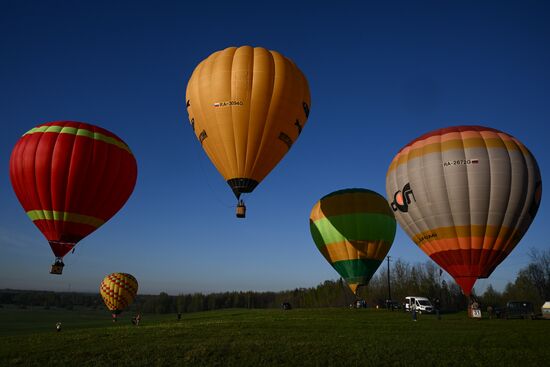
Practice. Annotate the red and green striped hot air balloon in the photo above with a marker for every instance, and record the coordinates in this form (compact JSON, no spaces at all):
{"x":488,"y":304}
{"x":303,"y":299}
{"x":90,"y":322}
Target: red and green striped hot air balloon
{"x":465,"y":195}
{"x":71,"y":177}
{"x":118,"y":291}
{"x":354,"y":230}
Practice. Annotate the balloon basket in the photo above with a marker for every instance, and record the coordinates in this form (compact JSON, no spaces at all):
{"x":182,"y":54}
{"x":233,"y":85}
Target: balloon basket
{"x":241,"y":210}
{"x":57,"y":267}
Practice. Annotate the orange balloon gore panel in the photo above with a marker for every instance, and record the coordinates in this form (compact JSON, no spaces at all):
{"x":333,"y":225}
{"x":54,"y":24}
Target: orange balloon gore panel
{"x":71,"y":177}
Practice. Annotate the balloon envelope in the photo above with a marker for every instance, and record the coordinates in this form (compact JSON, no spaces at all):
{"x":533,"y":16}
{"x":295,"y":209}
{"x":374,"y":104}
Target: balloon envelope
{"x":354,"y":230}
{"x":70,"y":178}
{"x":118,"y":291}
{"x":247,"y":106}
{"x":465,"y":195}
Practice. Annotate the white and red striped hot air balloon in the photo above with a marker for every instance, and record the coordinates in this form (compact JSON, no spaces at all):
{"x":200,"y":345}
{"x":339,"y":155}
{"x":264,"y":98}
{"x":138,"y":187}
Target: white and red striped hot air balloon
{"x":465,"y":195}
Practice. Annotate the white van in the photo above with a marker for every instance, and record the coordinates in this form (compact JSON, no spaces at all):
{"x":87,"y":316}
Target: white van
{"x":423,"y":305}
{"x":545,"y":309}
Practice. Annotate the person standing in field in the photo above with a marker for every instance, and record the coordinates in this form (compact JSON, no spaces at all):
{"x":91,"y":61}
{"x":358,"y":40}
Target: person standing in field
{"x":437,"y":304}
{"x":490,"y":311}
{"x":58,"y":327}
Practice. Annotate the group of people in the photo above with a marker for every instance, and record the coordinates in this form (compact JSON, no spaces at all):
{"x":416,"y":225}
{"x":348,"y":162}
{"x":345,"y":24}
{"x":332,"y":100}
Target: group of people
{"x":474,"y":309}
{"x":135,"y":320}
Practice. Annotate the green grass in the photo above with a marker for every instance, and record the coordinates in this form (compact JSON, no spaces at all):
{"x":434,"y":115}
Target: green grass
{"x":308,"y":337}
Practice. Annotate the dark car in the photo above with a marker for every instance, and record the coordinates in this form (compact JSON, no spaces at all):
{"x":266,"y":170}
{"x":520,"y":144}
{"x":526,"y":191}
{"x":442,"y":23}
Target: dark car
{"x":392,"y":305}
{"x":519,"y":310}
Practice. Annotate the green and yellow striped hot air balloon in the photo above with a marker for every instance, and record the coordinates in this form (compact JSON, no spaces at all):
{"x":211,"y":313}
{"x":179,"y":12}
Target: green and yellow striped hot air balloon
{"x":354,"y":230}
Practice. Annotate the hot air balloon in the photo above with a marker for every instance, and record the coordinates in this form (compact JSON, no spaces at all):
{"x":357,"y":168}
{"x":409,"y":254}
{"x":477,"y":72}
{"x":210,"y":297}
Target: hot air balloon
{"x":465,"y":195}
{"x":70,"y":178}
{"x":118,"y":291}
{"x":354,"y":230}
{"x":247,"y":106}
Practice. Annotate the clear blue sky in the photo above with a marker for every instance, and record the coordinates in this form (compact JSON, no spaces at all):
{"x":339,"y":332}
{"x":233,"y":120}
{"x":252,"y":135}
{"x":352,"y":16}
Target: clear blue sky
{"x":381,"y":73}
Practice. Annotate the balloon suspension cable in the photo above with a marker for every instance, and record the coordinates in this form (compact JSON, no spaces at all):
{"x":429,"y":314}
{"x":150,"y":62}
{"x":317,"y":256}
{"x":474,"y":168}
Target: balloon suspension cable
{"x":216,"y":193}
{"x":57,"y":266}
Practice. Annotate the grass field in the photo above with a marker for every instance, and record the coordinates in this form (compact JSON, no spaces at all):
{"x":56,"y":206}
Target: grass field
{"x":301,"y":337}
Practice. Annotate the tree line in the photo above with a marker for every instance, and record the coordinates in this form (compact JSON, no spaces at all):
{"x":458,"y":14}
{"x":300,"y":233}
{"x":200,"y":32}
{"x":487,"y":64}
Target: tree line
{"x":421,"y":279}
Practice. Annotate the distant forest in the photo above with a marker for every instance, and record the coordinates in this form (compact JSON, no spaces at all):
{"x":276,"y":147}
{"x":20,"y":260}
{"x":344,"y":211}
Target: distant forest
{"x":422,"y":279}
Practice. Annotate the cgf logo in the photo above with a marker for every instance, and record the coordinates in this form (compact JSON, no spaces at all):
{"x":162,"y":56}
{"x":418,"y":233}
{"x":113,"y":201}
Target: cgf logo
{"x":402,"y":199}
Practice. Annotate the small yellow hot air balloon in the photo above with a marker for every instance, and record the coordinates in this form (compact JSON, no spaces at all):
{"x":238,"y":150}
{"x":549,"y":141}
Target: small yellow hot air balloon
{"x":118,"y":291}
{"x":247,"y":106}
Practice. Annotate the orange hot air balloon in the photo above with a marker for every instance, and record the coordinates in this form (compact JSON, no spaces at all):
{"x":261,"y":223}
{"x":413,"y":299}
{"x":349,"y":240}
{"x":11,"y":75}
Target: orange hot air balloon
{"x":465,"y":195}
{"x":71,"y":177}
{"x":247,"y":106}
{"x":118,"y":291}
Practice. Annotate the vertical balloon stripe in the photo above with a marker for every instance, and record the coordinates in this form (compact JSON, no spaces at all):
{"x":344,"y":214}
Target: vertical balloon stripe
{"x":241,"y":87}
{"x":270,"y":145}
{"x":456,"y":184}
{"x":78,"y":169}
{"x":263,"y":89}
{"x":200,"y":103}
{"x":205,"y":113}
{"x":520,"y":199}
{"x":500,"y":186}
{"x":221,"y":79}
{"x":43,"y":162}
{"x":61,"y":168}
{"x":108,"y":189}
{"x":99,"y":159}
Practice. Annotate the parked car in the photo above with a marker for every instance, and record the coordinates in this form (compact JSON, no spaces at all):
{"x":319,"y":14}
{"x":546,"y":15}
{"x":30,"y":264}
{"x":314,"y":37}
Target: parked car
{"x":495,"y":312}
{"x":392,"y":304}
{"x":519,"y":310}
{"x":423,"y":304}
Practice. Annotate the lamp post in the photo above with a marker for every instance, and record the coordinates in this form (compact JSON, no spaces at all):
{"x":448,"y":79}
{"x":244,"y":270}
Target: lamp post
{"x":389,"y":285}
